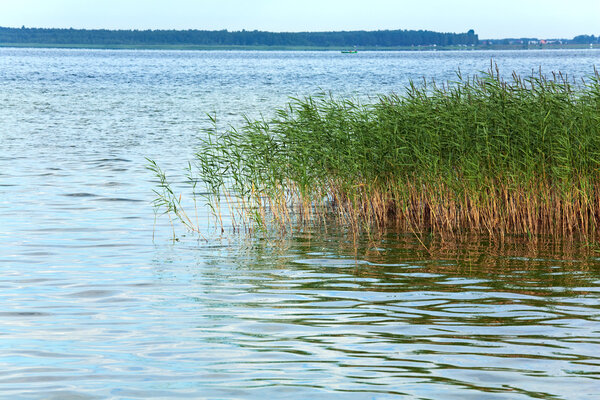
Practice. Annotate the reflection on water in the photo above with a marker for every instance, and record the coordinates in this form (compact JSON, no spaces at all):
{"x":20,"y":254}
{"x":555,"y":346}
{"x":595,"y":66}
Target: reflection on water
{"x":93,"y":307}
{"x":250,"y":319}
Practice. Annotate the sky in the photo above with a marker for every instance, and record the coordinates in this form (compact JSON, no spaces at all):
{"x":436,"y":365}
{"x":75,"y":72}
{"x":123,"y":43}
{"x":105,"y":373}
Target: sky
{"x":490,"y":19}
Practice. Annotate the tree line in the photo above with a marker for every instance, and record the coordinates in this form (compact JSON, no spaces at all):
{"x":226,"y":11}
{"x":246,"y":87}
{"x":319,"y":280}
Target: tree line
{"x":586,"y":39}
{"x":382,"y":38}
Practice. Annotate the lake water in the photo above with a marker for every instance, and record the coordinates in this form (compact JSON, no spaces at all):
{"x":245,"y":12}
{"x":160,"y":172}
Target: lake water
{"x":96,"y":301}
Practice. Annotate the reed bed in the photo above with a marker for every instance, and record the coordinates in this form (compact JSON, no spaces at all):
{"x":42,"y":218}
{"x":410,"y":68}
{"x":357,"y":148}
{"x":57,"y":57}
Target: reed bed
{"x":480,"y":155}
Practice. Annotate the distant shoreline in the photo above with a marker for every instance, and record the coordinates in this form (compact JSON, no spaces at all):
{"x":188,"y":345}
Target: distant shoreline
{"x":194,"y":39}
{"x":295,"y":48}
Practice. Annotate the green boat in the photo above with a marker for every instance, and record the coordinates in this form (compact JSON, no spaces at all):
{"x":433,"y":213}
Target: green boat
{"x":350,"y":51}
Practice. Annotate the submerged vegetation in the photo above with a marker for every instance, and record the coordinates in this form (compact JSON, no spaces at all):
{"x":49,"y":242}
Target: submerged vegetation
{"x":481,"y":155}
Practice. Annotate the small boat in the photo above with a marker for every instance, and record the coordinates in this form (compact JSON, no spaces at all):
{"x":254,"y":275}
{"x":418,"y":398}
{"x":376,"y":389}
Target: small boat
{"x":353,"y":51}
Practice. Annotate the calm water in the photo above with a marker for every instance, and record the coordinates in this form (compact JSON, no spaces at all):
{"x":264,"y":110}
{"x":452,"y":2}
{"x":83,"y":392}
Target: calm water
{"x":93,"y":307}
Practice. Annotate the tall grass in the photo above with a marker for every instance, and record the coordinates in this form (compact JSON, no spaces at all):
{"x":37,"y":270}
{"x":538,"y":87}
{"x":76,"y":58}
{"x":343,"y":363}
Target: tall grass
{"x":480,"y":155}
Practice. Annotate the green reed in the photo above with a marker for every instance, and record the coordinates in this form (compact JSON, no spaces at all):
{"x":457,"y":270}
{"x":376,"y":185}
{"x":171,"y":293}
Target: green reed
{"x":480,"y":155}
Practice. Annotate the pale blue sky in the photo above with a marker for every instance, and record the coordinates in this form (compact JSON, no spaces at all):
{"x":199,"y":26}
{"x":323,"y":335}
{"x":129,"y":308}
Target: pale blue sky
{"x":490,"y":19}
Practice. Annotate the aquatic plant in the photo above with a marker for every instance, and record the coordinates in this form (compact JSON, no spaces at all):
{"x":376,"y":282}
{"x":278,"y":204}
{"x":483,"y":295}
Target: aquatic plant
{"x":480,"y":155}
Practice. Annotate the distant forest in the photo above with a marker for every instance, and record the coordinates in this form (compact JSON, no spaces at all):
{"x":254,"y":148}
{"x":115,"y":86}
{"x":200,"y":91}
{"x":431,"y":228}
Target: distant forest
{"x":103,"y":37}
{"x":586,"y":39}
{"x":581,"y":39}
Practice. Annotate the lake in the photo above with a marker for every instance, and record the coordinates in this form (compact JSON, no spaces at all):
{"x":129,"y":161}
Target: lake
{"x":98,"y":301}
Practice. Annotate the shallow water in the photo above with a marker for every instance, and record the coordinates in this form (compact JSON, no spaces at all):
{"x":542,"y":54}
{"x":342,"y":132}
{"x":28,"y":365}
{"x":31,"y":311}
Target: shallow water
{"x":98,"y":302}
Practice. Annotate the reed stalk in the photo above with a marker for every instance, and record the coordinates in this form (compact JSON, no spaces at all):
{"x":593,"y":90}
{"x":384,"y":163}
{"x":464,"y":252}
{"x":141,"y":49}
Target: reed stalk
{"x":481,"y":155}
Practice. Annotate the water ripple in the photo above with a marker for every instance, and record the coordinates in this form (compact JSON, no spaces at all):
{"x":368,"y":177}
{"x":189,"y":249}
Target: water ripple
{"x":98,"y":301}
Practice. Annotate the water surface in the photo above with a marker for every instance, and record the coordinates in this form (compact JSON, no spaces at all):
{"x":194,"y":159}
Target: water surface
{"x":98,"y":302}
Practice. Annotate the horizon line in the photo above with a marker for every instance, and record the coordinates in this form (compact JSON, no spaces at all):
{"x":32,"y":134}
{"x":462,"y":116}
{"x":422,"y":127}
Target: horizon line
{"x":267,"y":31}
